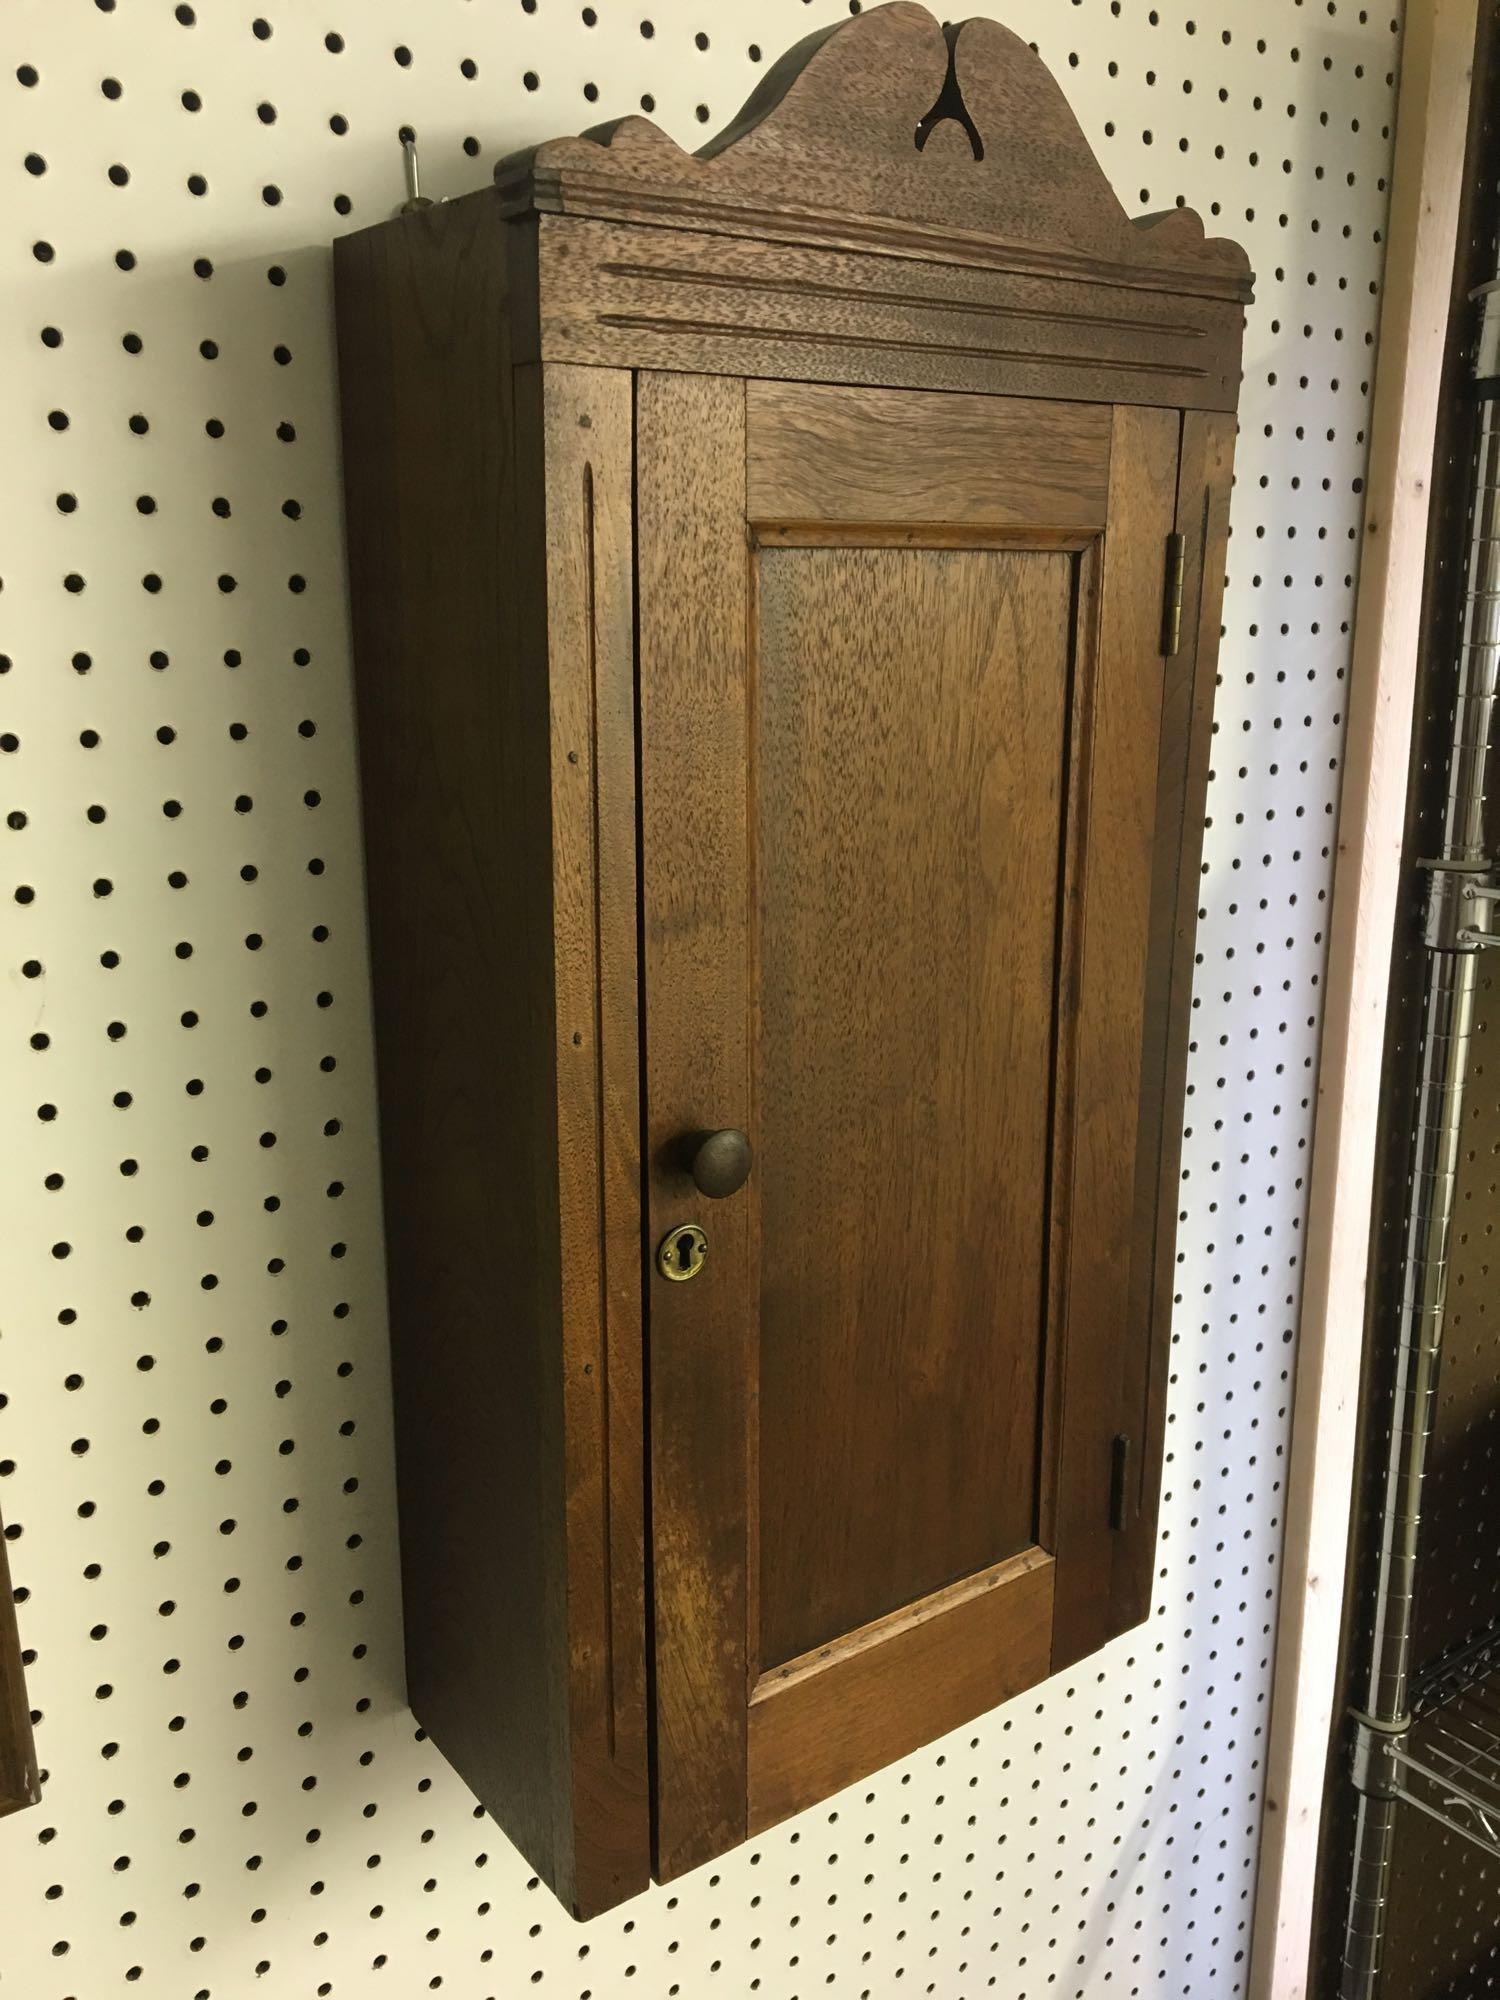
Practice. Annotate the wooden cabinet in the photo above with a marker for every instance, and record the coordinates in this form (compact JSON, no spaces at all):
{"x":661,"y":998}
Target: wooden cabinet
{"x":786,"y":586}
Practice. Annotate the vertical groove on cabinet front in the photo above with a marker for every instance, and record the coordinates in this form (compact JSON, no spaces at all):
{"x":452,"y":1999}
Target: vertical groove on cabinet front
{"x":601,"y":1183}
{"x":587,"y":424}
{"x":755,"y":1032}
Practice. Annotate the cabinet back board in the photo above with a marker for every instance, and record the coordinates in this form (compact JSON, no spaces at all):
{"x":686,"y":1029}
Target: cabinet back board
{"x":818,"y":758}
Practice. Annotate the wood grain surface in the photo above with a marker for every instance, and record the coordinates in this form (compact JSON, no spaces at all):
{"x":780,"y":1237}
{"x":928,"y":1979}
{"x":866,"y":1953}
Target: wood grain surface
{"x":794,"y":754}
{"x":840,"y":131}
{"x":613,"y":294}
{"x":896,"y":206}
{"x":908,"y":753}
{"x":521,"y":1518}
{"x":954,"y":806}
{"x":826,"y":1720}
{"x":1103,"y":1019}
{"x":587,"y":418}
{"x":816,"y":453}
{"x":693,"y":612}
{"x":949,"y":669}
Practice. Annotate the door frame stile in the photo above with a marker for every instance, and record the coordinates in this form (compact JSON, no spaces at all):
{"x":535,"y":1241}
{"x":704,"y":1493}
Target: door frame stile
{"x":1098,"y":1575}
{"x":691,"y":651}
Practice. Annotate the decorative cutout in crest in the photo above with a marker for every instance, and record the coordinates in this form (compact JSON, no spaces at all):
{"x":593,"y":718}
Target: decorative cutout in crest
{"x":950,"y":104}
{"x":887,"y":132}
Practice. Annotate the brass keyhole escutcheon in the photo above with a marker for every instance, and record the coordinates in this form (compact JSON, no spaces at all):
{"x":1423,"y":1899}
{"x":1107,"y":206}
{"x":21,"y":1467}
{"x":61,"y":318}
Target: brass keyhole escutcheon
{"x":681,"y":1252}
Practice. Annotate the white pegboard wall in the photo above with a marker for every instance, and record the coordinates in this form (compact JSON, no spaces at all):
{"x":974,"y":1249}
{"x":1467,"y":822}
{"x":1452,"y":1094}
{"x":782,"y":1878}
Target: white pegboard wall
{"x":195,"y":1463}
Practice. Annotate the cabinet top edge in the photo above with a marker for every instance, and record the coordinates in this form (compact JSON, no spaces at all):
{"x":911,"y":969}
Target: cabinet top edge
{"x":890,"y":133}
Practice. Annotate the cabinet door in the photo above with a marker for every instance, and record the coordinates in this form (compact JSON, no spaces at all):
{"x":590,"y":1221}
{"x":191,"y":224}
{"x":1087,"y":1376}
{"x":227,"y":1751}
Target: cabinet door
{"x":903,"y":821}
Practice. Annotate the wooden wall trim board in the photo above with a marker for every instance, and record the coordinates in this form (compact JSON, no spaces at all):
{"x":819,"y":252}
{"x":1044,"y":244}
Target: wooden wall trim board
{"x":1437,"y":55}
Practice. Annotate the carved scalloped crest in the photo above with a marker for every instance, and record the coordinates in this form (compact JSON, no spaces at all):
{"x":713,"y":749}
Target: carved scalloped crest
{"x":887,"y":131}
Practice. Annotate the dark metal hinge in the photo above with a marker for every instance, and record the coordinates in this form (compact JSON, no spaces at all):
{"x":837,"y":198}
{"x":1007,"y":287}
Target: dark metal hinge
{"x":1171,"y":603}
{"x":1119,"y":1471}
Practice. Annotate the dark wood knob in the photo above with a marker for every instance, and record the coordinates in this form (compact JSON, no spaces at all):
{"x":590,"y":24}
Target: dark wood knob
{"x":720,"y":1162}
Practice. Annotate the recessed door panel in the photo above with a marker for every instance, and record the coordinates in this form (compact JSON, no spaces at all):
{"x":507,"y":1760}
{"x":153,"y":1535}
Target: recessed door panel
{"x":909,"y":717}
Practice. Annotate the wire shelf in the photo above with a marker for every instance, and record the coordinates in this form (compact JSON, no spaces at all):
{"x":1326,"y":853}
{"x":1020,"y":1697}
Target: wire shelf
{"x":1448,"y":1765}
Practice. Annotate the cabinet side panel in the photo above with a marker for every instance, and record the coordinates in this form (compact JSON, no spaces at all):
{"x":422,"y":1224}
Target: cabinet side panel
{"x":453,"y":730}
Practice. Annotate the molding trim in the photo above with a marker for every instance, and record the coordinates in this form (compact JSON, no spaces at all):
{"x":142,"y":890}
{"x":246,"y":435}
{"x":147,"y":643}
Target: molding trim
{"x":875,"y":135}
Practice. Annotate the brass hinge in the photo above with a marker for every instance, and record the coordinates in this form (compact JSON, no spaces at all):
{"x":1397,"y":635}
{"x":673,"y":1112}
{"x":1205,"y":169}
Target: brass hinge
{"x":1171,"y":603}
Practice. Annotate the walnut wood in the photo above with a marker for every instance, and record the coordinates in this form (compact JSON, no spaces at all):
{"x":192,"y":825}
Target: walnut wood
{"x":829,"y":138}
{"x":616,"y":294}
{"x":900,"y":1683}
{"x":916,"y":535}
{"x":815,"y":240}
{"x":919,"y":459}
{"x":20,"y":1783}
{"x":588,"y":425}
{"x":1086,"y":636}
{"x":1183,"y":743}
{"x":881,"y":1234}
{"x":757,"y":563}
{"x":1103,"y":1022}
{"x":908,"y":742}
{"x":693,"y":614}
{"x":499,"y":894}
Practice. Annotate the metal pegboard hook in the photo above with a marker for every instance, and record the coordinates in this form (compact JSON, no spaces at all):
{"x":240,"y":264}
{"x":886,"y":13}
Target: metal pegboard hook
{"x":415,"y":199}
